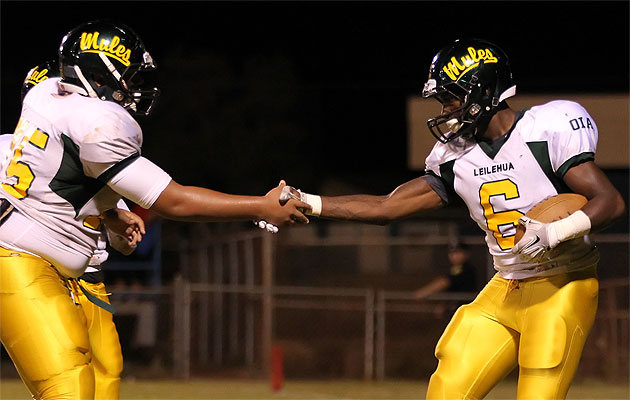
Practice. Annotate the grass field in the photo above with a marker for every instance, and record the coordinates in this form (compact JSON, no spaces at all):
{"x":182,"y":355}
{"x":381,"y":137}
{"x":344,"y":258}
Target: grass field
{"x":251,"y":389}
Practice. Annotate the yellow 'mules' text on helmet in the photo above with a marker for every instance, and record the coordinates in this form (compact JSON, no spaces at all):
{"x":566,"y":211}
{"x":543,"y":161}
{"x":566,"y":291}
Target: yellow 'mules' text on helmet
{"x":107,"y":60}
{"x":38,"y":74}
{"x":476,"y":73}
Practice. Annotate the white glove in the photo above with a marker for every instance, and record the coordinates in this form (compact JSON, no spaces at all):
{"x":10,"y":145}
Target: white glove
{"x":289,"y":192}
{"x":538,"y":239}
{"x":262,"y":224}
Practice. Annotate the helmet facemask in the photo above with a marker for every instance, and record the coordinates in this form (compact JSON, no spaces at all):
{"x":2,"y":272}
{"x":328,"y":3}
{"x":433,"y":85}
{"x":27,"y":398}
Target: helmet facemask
{"x":138,"y":96}
{"x":458,"y":122}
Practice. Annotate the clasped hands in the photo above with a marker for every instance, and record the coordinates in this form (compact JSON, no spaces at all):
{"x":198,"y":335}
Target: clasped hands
{"x":286,"y":206}
{"x":128,"y":228}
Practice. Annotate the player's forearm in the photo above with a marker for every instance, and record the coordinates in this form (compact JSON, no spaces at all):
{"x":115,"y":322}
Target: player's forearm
{"x":411,"y":198}
{"x":360,"y":207}
{"x":605,"y":209}
{"x":190,"y":203}
{"x":605,"y":203}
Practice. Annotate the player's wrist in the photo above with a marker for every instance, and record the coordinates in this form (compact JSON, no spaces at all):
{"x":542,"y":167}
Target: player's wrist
{"x":315,"y":202}
{"x":575,"y":225}
{"x":262,"y":208}
{"x":112,"y":213}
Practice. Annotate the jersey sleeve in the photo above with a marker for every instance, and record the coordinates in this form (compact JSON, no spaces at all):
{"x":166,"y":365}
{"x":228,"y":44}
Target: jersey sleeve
{"x":573,"y":137}
{"x":141,"y":182}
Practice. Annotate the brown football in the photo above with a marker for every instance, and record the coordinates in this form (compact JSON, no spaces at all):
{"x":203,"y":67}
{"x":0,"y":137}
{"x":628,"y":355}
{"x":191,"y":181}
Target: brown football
{"x":553,"y":209}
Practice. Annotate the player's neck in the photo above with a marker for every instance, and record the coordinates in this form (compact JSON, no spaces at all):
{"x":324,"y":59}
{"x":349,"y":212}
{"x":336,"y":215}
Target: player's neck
{"x":500,"y":124}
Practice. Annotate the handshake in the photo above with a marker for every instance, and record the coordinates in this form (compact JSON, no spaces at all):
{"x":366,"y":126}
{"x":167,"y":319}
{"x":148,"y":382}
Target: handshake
{"x":287,"y":193}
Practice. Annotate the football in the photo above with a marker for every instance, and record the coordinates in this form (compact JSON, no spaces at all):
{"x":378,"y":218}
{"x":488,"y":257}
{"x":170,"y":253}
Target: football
{"x":553,"y":209}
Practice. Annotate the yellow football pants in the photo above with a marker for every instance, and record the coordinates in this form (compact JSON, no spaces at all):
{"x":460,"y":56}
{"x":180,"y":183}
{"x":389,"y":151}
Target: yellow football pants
{"x":107,"y":358}
{"x":43,"y":330}
{"x":538,"y":324}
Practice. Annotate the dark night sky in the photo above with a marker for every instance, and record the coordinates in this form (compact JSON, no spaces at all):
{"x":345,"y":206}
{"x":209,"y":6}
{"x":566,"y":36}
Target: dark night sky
{"x":337,"y":74}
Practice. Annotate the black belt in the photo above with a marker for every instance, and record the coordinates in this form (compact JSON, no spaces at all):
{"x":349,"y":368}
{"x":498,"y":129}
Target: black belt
{"x":93,"y":277}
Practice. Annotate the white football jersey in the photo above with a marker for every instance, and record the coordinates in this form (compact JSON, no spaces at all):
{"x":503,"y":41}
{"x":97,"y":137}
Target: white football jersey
{"x":100,"y":255}
{"x":500,"y":182}
{"x":65,"y":151}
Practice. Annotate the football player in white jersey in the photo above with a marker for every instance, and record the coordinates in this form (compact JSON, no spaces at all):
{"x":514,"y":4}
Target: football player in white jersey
{"x":537,"y":311}
{"x":75,"y":153}
{"x":89,"y":289}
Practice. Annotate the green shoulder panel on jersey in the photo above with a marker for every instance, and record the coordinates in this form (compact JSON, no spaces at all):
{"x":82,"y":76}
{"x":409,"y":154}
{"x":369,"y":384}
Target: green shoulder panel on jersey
{"x":447,"y":177}
{"x":573,"y":161}
{"x":70,"y":182}
{"x":446,"y":170}
{"x":540,"y":151}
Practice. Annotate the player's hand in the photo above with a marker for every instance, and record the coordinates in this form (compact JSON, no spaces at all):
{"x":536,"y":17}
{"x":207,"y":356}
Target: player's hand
{"x":281,"y":213}
{"x":314,"y":201}
{"x":537,"y":240}
{"x":126,"y":224}
{"x":134,"y":238}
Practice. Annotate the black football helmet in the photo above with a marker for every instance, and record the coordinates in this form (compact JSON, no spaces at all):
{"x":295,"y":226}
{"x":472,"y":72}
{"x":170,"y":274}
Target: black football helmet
{"x":39,"y":73}
{"x":478,"y":74}
{"x":108,"y":61}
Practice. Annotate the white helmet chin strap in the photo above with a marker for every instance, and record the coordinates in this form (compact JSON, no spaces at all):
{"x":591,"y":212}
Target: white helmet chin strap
{"x":110,"y":66}
{"x":508,"y":93}
{"x":87,"y":89}
{"x":86,"y":84}
{"x":118,"y":77}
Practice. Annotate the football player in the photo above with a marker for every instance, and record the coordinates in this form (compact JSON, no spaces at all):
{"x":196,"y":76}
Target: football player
{"x":89,"y":289}
{"x":75,"y":153}
{"x":90,"y":293}
{"x":537,"y":311}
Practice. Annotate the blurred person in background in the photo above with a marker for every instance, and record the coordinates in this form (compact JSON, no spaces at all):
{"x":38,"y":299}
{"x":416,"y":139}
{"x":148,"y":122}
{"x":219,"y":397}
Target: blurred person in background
{"x":461,"y":277}
{"x":75,"y":153}
{"x":537,"y":311}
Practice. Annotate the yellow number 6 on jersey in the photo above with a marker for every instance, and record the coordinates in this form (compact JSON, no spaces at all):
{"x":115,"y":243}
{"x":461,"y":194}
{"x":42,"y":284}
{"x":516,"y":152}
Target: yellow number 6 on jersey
{"x":499,"y":221}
